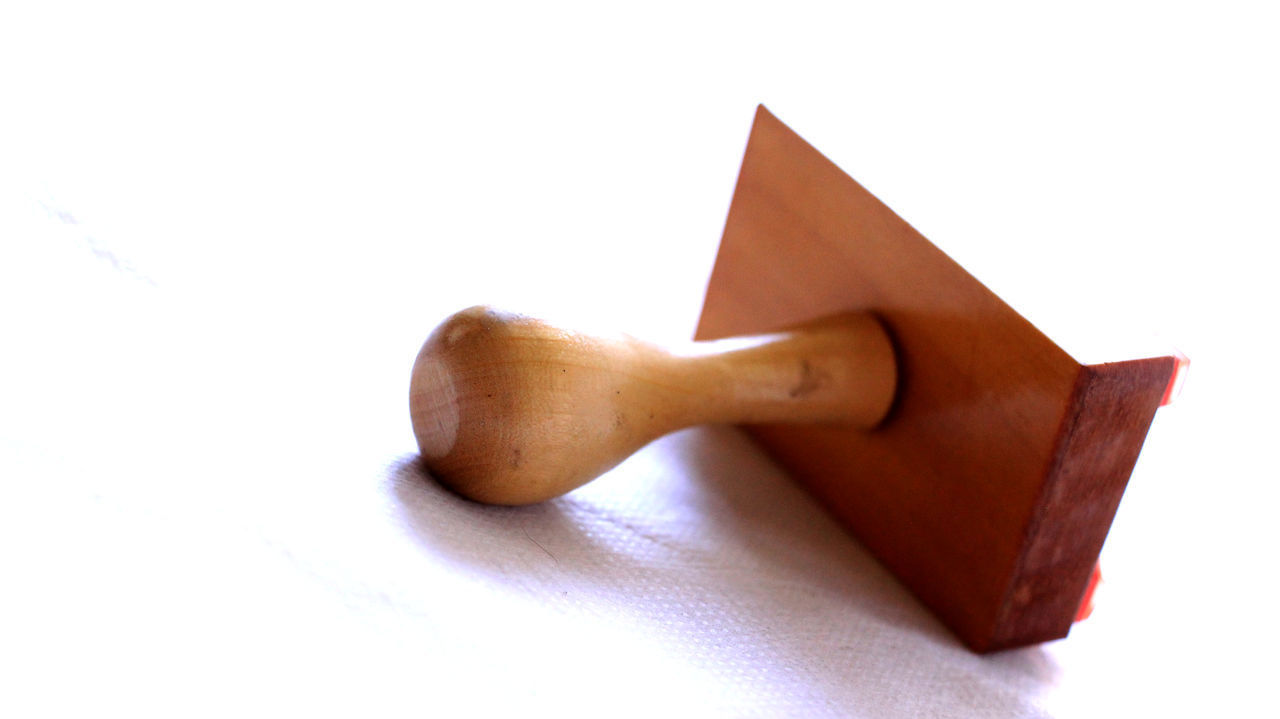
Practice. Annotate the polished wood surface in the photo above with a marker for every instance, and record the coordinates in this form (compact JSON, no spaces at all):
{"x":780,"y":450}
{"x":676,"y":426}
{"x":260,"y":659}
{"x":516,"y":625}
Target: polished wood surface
{"x":992,"y":484}
{"x":508,"y":409}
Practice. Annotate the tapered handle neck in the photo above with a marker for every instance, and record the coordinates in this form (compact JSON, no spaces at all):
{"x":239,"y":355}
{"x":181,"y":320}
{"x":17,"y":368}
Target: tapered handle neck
{"x":840,"y":370}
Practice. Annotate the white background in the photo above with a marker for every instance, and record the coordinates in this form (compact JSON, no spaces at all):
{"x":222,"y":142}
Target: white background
{"x":225,"y":228}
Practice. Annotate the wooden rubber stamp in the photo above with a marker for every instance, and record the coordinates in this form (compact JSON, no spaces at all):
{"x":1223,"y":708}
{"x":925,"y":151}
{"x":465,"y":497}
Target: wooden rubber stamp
{"x":978,"y":460}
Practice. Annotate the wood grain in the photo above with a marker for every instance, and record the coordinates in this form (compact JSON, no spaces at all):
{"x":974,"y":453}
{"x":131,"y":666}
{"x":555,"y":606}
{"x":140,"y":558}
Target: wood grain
{"x":509,"y":409}
{"x":990,"y":487}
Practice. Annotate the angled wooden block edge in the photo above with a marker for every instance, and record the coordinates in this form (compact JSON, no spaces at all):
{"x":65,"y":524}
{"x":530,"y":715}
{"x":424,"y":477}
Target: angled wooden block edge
{"x":1111,"y":409}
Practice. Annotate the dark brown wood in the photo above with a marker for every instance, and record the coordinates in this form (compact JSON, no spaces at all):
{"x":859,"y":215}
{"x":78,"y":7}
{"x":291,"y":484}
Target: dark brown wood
{"x":1107,"y":420}
{"x":991,"y":486}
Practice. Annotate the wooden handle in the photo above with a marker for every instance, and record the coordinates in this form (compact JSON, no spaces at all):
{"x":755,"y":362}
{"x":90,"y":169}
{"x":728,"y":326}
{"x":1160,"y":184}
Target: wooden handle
{"x":510,"y":410}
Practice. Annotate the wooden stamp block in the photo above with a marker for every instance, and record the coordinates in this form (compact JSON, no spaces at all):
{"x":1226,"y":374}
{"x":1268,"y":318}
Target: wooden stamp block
{"x":993,"y":482}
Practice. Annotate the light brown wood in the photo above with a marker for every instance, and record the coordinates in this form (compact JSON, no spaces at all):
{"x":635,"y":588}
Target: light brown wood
{"x":990,"y":488}
{"x":510,"y":410}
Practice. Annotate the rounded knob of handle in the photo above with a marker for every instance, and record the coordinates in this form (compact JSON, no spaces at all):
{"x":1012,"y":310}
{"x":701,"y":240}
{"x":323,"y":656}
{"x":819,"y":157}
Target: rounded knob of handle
{"x":510,"y":410}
